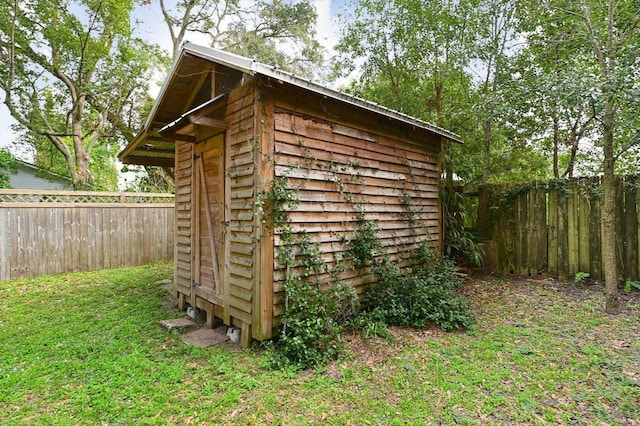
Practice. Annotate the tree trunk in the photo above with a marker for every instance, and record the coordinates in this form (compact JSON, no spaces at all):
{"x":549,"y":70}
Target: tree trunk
{"x":575,"y":140}
{"x":486,"y":162}
{"x":82,"y":157}
{"x":610,"y":262}
{"x":556,"y":142}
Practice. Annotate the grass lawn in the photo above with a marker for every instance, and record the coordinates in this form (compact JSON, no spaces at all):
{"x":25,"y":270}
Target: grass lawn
{"x":87,"y":349}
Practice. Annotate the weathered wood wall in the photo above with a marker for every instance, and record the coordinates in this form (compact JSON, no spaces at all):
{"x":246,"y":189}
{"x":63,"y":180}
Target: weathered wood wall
{"x":53,"y":232}
{"x":555,"y":228}
{"x":240,"y":188}
{"x":235,"y":197}
{"x":183,"y":225}
{"x":340,"y":173}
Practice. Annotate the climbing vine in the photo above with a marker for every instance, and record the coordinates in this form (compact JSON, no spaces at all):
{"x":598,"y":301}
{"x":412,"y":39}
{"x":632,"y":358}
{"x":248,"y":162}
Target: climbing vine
{"x":316,"y":303}
{"x":311,"y":319}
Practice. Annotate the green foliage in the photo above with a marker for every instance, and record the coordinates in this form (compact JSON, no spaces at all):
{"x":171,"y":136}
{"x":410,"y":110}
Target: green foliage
{"x":101,"y":167}
{"x":7,"y":166}
{"x":262,"y":33}
{"x":149,"y":179}
{"x":448,"y":74}
{"x":424,"y":294}
{"x":580,"y":276}
{"x":312,"y":317}
{"x":459,"y":242}
{"x":365,"y":246}
{"x":74,"y":79}
{"x":631,"y":285}
{"x":312,"y":331}
{"x":274,"y":203}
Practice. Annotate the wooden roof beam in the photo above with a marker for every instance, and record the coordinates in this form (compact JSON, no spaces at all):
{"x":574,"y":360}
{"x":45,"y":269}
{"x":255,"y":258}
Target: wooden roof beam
{"x":148,"y":161}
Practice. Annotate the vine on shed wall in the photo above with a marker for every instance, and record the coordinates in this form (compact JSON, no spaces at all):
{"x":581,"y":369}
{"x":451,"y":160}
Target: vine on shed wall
{"x":316,"y":302}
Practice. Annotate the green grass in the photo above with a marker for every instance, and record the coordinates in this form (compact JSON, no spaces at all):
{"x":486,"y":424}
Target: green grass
{"x":87,"y":349}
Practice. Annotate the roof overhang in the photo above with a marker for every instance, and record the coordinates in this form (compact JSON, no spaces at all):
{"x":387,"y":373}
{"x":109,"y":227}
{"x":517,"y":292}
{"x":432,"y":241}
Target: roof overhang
{"x":210,"y":114}
{"x":168,"y":122}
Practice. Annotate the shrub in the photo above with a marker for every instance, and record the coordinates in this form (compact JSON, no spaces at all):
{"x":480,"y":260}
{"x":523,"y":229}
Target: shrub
{"x":424,"y":294}
{"x":312,"y":317}
{"x":312,"y":324}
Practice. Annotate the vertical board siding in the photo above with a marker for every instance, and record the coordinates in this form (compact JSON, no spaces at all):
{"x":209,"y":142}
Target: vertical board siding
{"x":556,"y":229}
{"x":183,"y":219}
{"x":48,"y":238}
{"x":340,"y":173}
{"x":241,"y":182}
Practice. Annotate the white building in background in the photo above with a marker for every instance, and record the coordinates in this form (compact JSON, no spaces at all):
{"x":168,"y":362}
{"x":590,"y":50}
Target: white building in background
{"x":29,"y":176}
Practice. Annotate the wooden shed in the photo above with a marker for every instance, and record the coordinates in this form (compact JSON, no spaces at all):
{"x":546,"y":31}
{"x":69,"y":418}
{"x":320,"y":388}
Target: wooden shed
{"x":231,"y":127}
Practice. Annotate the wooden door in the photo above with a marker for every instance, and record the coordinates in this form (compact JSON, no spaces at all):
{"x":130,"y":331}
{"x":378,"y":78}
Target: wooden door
{"x":209,"y":178}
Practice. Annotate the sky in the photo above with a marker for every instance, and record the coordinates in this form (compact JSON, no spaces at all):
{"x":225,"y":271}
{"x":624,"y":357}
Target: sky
{"x":327,"y":32}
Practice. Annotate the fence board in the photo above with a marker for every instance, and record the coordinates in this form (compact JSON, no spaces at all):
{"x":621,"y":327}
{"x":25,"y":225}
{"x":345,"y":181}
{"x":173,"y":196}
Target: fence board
{"x":563,"y":235}
{"x":539,"y":228}
{"x":620,"y":226}
{"x":631,"y":228}
{"x":52,"y":232}
{"x":595,"y":234}
{"x":556,"y":228}
{"x":583,"y":231}
{"x":552,"y":232}
{"x":572,"y":229}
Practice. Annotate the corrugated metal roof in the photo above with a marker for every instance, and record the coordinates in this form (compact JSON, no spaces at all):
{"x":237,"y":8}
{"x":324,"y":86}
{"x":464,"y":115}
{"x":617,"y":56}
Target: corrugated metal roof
{"x":149,"y":148}
{"x":252,"y":67}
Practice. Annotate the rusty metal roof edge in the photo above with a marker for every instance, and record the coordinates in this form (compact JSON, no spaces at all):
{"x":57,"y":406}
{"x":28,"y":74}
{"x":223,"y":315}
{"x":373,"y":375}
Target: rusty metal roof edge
{"x":252,"y":67}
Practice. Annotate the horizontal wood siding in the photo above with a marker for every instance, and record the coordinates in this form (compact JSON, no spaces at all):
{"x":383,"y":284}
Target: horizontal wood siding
{"x":240,"y":176}
{"x":340,"y":172}
{"x":184,"y":200}
{"x":46,"y":238}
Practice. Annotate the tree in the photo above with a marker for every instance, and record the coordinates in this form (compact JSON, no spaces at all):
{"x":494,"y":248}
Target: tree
{"x":442,"y":61}
{"x":7,"y":166}
{"x":199,"y":16}
{"x":611,"y":28}
{"x":150,"y":179}
{"x":547,"y":87}
{"x":609,"y":33}
{"x":74,"y":77}
{"x":278,"y":33}
{"x":496,"y":29}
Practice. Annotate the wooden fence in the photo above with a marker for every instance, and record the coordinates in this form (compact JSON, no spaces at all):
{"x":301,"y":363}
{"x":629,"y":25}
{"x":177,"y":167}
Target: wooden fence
{"x":554,"y":228}
{"x":51,"y":232}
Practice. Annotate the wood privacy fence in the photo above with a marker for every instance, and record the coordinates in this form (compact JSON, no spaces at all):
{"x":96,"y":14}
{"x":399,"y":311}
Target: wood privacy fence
{"x":52,"y":232}
{"x":554,"y":228}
